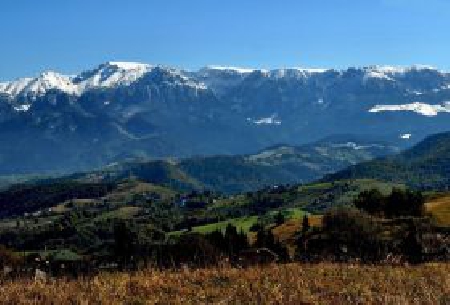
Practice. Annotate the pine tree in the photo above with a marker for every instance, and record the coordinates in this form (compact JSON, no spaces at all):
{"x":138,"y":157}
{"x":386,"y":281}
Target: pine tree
{"x":305,"y":224}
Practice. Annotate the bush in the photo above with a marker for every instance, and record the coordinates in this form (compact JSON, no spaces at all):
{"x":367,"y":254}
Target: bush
{"x":353,"y":232}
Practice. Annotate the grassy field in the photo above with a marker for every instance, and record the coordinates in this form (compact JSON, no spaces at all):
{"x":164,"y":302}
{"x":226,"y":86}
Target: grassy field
{"x":121,"y":213}
{"x":275,"y":284}
{"x":440,"y":209}
{"x":242,"y":223}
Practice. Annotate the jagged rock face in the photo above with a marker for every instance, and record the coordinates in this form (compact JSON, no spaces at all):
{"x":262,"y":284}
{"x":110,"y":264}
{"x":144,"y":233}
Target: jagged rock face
{"x":126,"y":110}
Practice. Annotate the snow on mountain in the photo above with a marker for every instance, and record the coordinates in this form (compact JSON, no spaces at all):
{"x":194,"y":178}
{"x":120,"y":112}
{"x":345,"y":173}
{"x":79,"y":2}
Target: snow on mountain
{"x":22,"y":108}
{"x":372,"y":73}
{"x":185,"y":80}
{"x":379,"y":72}
{"x":390,"y":73}
{"x":114,"y":73}
{"x":271,"y":120}
{"x":405,"y":136}
{"x":230,"y":69}
{"x":294,"y":72}
{"x":39,"y":85}
{"x":417,"y":107}
{"x":400,"y":70}
{"x":110,"y":74}
{"x":220,"y":79}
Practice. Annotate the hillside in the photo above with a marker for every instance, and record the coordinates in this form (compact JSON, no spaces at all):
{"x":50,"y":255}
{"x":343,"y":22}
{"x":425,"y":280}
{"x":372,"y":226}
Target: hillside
{"x":132,"y":223}
{"x":440,"y":209}
{"x":424,"y":166}
{"x":281,"y":164}
{"x":83,"y":214}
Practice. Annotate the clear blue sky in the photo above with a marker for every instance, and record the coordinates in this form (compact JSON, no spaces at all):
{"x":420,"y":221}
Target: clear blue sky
{"x":69,"y":36}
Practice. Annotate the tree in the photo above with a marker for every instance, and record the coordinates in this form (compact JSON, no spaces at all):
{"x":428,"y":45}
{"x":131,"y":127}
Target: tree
{"x":266,"y":239}
{"x":124,"y":242}
{"x":412,"y":247}
{"x":405,"y":203}
{"x":305,"y":224}
{"x":279,"y":219}
{"x":231,"y":243}
{"x":371,"y":201}
{"x":236,"y":242}
{"x":192,"y":249}
{"x":399,"y":203}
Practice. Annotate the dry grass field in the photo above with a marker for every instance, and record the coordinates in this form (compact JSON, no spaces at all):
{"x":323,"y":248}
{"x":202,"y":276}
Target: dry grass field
{"x":440,"y":209}
{"x":275,"y":284}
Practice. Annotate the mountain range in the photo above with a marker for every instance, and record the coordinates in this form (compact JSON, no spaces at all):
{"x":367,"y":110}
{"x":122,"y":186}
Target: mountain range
{"x":121,"y":110}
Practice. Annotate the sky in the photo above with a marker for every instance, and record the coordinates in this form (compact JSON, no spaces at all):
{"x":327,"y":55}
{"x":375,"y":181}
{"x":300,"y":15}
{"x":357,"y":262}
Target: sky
{"x":71,"y":36}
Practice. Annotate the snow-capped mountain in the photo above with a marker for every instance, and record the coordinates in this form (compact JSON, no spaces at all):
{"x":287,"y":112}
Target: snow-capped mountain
{"x":110,"y":74}
{"x":38,"y":85}
{"x":123,"y":110}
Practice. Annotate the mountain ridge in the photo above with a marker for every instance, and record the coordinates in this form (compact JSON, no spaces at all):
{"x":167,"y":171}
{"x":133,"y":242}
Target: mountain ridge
{"x":130,"y":110}
{"x":127,"y":72}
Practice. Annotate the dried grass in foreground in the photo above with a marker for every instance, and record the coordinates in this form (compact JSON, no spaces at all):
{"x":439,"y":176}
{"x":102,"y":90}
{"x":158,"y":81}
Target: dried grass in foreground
{"x":276,"y":284}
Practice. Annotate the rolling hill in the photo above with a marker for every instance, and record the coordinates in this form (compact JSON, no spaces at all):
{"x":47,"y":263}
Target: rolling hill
{"x":424,"y":166}
{"x":281,"y":164}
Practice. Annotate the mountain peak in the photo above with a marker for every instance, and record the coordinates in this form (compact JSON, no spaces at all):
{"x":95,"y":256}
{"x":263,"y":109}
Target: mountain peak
{"x":109,"y":74}
{"x":39,"y":85}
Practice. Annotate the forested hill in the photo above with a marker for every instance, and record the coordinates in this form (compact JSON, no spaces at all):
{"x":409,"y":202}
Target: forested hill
{"x":282,"y":164}
{"x":424,"y":166}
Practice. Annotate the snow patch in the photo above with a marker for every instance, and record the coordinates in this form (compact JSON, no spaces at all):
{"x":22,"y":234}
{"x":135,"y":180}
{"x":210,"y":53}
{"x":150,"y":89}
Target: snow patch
{"x":417,"y":107}
{"x":22,"y":108}
{"x":272,"y":120}
{"x":377,"y":74}
{"x":405,"y":136}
